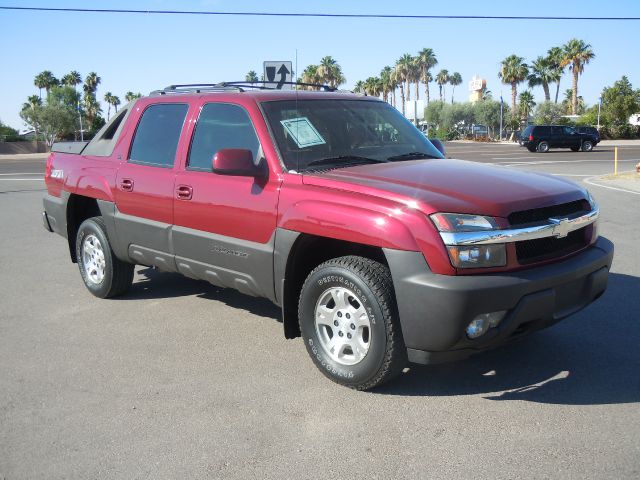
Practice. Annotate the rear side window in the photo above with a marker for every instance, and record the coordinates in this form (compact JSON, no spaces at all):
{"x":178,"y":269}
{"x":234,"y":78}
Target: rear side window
{"x":557,"y":130}
{"x":528,"y":131}
{"x":156,"y":139}
{"x":543,"y":130}
{"x":220,"y":126}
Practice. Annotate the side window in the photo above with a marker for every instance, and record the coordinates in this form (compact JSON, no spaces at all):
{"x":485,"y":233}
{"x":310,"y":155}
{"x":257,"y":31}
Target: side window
{"x":220,"y":126}
{"x":156,"y":138}
{"x":556,"y":131}
{"x":569,"y":131}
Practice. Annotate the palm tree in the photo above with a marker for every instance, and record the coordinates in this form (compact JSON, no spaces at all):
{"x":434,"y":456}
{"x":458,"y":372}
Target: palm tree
{"x":92,"y":109}
{"x":310,"y":75}
{"x":567,"y":103}
{"x":426,"y":60}
{"x":388,"y":82}
{"x":359,"y":87}
{"x":130,"y":96}
{"x":513,"y":71}
{"x":45,"y":80}
{"x":526,"y":104}
{"x":555,"y":56}
{"x":91,"y":82}
{"x":251,"y":77}
{"x":373,"y":86}
{"x":577,"y":54}
{"x":455,"y":79}
{"x":72,"y":79}
{"x":108,"y":98}
{"x":543,"y":73}
{"x":115,"y":101}
{"x":403,"y":74}
{"x":441,"y":79}
{"x":415,"y":73}
{"x":330,"y":72}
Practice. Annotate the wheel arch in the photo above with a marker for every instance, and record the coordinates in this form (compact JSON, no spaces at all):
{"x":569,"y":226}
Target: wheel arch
{"x":299,"y":253}
{"x":79,"y":208}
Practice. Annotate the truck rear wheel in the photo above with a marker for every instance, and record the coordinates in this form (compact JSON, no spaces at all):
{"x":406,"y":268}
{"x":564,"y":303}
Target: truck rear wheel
{"x":348,"y":320}
{"x":104,"y":275}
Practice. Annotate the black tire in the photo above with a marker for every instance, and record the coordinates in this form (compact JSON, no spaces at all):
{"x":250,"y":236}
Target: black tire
{"x":575,"y":149}
{"x":587,"y":146}
{"x":371,"y":282}
{"x":543,"y":147}
{"x":117,"y":276}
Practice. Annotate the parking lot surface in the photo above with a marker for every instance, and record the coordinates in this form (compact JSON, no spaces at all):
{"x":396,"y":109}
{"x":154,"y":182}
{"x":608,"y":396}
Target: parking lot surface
{"x":180,"y":379}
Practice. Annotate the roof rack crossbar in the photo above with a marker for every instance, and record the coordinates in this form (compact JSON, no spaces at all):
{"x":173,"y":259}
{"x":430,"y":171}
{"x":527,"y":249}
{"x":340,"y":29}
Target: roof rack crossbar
{"x":236,"y":86}
{"x":266,"y":85}
{"x":195,"y":88}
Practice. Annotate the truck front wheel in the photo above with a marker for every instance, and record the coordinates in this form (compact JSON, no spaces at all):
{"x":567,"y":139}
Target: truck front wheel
{"x":103,"y":273}
{"x":349,"y":324}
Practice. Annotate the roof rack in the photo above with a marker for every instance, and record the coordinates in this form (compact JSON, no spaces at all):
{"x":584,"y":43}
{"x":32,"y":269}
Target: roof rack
{"x":195,"y":88}
{"x":235,"y":86}
{"x":266,"y":85}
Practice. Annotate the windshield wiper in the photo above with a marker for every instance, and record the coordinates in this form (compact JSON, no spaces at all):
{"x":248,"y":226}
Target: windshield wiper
{"x":344,"y":160}
{"x":411,"y":156}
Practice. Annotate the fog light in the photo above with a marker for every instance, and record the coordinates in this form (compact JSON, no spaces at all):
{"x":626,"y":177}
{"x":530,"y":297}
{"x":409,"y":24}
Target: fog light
{"x":483,"y":322}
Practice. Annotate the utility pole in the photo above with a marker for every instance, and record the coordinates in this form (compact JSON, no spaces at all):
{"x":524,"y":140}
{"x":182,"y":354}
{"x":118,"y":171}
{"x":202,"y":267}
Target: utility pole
{"x":80,"y":116}
{"x":501,"y":105}
{"x":599,"y":105}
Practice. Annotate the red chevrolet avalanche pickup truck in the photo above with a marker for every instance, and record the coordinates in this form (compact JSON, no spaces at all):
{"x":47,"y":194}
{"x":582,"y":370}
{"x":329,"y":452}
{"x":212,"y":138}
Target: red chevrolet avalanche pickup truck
{"x":336,"y":208}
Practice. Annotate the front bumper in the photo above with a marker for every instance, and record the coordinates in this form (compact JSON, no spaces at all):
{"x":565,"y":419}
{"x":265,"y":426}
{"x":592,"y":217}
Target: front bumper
{"x":436,"y":309}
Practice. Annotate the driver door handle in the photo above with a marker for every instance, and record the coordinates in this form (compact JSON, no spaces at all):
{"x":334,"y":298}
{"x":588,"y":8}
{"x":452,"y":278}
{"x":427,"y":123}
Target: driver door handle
{"x":184,"y":192}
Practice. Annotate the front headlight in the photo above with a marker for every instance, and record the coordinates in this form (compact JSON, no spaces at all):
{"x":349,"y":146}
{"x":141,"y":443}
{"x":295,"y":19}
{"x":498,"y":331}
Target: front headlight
{"x":471,"y":256}
{"x":590,"y":199}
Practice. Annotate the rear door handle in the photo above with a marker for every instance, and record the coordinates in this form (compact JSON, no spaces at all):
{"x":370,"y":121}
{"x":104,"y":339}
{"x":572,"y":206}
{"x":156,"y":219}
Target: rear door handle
{"x":126,"y":185}
{"x":184,"y":192}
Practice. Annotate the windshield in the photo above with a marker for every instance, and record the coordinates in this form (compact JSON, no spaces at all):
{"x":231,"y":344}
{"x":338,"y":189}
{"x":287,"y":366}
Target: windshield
{"x":338,"y":133}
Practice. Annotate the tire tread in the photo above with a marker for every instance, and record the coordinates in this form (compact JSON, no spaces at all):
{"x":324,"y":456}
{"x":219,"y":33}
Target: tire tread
{"x":378,"y":278}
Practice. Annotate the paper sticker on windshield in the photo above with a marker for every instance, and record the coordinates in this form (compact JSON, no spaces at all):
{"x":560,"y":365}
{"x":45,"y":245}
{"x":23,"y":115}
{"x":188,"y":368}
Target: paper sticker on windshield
{"x":302,"y":132}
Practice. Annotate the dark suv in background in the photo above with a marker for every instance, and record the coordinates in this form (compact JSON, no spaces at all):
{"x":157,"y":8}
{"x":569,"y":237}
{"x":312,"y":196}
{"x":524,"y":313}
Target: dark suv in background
{"x":540,"y":138}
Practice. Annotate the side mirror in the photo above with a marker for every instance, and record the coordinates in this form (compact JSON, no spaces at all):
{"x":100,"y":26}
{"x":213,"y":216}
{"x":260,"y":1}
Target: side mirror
{"x":237,"y":162}
{"x":438,"y":144}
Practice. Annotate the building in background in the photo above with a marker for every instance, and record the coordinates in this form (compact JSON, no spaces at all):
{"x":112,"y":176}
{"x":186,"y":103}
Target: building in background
{"x":477,"y":87}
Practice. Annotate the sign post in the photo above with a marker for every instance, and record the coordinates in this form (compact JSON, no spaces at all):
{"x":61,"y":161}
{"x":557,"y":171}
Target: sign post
{"x":277,"y":74}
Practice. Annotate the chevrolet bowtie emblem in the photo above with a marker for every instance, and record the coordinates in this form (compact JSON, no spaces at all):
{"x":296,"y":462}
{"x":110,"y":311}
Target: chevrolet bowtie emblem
{"x":561,"y":227}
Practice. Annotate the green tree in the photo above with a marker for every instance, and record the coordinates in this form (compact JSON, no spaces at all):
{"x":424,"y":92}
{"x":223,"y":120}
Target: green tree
{"x":403,"y":74}
{"x":115,"y":101}
{"x":46,"y":80}
{"x":359,"y":87}
{"x":373,"y":86}
{"x":619,"y":102}
{"x":455,"y":79}
{"x":330,"y":72}
{"x":56,"y":119}
{"x":130,"y":96}
{"x":567,"y":103}
{"x":547,"y":113}
{"x":72,"y":79}
{"x":108,"y":97}
{"x":577,"y":54}
{"x":542,"y":73}
{"x":442,"y":78}
{"x":513,"y":71}
{"x":526,"y":105}
{"x":555,"y":55}
{"x":251,"y":77}
{"x":310,"y":75}
{"x":426,"y":60}
{"x":388,"y":82}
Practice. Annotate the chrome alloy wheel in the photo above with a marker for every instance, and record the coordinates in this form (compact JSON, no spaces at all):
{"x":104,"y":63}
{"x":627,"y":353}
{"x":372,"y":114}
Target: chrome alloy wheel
{"x":342,"y":325}
{"x":93,"y":259}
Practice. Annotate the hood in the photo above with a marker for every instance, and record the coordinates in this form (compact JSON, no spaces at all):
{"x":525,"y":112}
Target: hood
{"x":454,"y":186}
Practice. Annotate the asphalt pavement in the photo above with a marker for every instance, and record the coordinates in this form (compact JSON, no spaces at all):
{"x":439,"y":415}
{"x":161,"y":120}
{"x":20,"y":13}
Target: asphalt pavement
{"x":180,"y":379}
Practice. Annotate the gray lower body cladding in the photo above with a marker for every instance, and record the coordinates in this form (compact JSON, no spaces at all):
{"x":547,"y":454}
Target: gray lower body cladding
{"x":436,"y":309}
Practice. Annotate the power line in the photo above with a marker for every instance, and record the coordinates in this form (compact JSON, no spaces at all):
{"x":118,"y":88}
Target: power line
{"x":316,"y":15}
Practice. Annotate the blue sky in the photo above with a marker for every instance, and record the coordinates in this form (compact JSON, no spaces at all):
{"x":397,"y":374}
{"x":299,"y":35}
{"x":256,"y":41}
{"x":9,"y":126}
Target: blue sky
{"x":146,"y":52}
